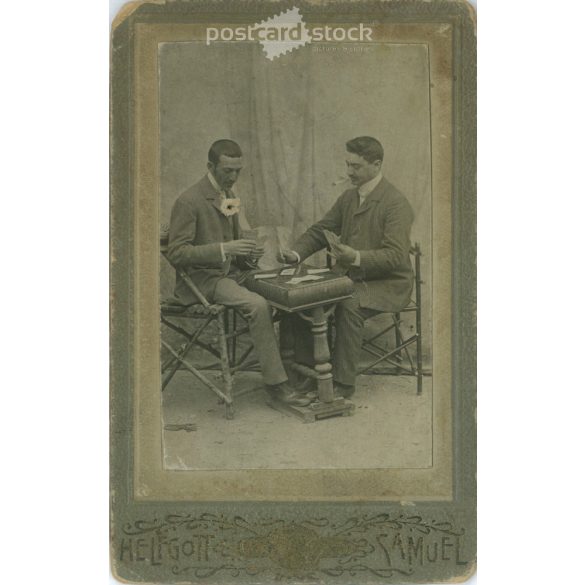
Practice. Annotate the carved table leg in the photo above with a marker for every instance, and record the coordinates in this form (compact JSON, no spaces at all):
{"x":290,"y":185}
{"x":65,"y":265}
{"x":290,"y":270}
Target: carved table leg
{"x":327,"y":405}
{"x":287,"y":343}
{"x":322,"y":355}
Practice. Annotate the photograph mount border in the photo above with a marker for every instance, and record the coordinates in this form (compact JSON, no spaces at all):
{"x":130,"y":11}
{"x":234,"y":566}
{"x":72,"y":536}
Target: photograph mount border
{"x":138,"y":527}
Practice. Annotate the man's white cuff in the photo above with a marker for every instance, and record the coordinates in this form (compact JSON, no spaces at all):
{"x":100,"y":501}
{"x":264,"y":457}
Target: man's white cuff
{"x":358,"y":259}
{"x":223,"y":256}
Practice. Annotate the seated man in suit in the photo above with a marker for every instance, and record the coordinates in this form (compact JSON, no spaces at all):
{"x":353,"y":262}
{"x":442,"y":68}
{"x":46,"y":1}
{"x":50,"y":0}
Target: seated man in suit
{"x":204,"y":239}
{"x":371,"y":222}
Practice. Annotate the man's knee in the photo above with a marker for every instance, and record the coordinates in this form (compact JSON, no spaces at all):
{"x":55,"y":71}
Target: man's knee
{"x":256,"y":304}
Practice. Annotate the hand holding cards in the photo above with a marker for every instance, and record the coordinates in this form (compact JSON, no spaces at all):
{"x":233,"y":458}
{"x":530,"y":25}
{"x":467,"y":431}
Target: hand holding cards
{"x":332,"y":239}
{"x":341,"y":252}
{"x":258,"y":251}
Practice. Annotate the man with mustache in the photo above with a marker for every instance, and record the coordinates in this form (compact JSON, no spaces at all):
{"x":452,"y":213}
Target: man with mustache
{"x":370,"y":241}
{"x":204,"y":240}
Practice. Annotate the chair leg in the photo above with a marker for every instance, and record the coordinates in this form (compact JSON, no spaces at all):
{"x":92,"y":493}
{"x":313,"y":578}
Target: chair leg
{"x":419,"y":366}
{"x":234,"y":339}
{"x":397,"y":336}
{"x":225,"y":365}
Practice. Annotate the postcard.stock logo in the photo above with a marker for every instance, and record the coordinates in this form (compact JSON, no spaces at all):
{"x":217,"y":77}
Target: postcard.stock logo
{"x":287,"y":31}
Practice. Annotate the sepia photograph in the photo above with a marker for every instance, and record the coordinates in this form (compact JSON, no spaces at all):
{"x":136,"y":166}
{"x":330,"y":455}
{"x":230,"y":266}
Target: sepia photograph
{"x":296,"y":205}
{"x":293,"y":300}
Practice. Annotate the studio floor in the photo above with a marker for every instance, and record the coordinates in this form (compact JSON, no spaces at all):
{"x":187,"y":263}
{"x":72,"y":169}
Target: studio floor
{"x":391,"y":427}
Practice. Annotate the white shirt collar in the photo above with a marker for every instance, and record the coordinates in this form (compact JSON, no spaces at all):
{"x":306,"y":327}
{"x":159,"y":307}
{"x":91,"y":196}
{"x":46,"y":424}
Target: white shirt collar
{"x":365,"y":189}
{"x":214,"y":182}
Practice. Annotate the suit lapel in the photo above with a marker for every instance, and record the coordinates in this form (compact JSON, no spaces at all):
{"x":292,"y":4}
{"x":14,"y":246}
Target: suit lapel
{"x":215,"y":199}
{"x":364,"y":206}
{"x":354,"y":202}
{"x":212,"y":195}
{"x":372,"y":199}
{"x":216,"y":202}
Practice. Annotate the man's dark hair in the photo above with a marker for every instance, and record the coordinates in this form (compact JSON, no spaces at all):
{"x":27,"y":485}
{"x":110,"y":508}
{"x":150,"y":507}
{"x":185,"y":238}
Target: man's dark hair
{"x":366,"y":147}
{"x":223,"y":147}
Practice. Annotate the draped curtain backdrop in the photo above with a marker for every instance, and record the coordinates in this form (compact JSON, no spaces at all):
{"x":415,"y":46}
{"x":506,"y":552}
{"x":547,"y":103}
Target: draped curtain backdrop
{"x":292,"y":117}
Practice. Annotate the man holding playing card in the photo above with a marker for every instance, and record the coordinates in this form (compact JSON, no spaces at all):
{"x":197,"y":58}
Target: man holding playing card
{"x":205,"y":240}
{"x":367,"y":232}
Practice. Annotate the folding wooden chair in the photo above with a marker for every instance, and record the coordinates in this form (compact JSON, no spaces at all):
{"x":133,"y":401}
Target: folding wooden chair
{"x":204,"y":318}
{"x":403,"y":343}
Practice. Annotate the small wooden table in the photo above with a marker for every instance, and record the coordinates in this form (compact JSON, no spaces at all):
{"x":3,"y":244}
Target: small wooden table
{"x":314,"y":301}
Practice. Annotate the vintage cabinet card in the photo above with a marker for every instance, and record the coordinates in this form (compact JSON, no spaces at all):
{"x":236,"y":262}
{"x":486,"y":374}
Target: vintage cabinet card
{"x":293,"y":292}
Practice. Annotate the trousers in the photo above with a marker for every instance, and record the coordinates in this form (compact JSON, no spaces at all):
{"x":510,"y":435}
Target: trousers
{"x":258,"y":313}
{"x":349,"y":330}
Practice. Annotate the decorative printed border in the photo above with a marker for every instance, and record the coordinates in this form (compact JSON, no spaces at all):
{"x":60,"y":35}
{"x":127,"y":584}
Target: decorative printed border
{"x":204,"y":545}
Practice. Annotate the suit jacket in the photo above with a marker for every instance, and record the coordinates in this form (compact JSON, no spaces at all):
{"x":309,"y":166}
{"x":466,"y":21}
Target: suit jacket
{"x":196,"y":229}
{"x":380,"y":230}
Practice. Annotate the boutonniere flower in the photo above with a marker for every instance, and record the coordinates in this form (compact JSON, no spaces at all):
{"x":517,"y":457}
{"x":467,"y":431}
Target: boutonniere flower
{"x":230,"y":206}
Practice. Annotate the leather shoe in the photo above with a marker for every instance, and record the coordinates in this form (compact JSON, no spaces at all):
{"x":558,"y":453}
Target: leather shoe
{"x":307,"y":388}
{"x":285,"y":393}
{"x":343,"y":390}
